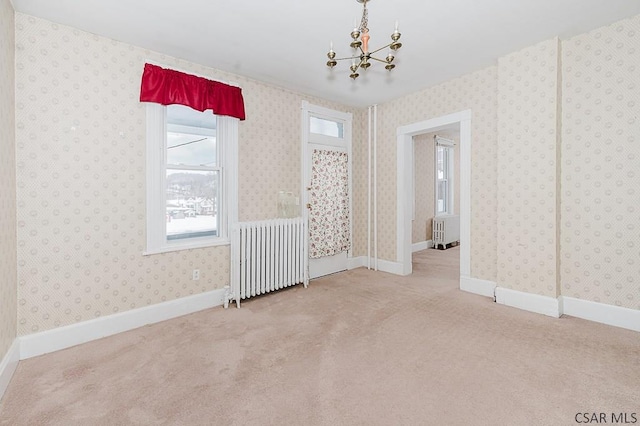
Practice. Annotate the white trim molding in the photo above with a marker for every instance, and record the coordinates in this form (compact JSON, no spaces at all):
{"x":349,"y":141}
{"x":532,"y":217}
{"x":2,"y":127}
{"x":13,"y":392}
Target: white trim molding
{"x":478,"y":286}
{"x":156,"y":158}
{"x":395,"y":268}
{"x":404,"y":173}
{"x":8,"y":366}
{"x":601,"y":312}
{"x":357,"y":262}
{"x":545,"y":305}
{"x":71,"y":335}
{"x":422,"y":245}
{"x":383,"y":265}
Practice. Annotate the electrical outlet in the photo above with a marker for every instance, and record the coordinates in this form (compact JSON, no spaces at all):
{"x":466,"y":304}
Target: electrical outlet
{"x":195,"y":276}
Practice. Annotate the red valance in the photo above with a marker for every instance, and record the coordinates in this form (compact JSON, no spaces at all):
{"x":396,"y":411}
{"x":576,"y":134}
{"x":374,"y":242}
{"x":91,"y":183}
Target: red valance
{"x":166,"y":87}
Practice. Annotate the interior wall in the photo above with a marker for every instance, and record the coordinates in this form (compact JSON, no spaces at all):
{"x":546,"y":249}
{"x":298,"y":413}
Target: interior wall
{"x":360,"y":152}
{"x":476,"y":91}
{"x":8,"y":178}
{"x":424,"y":187}
{"x":270,"y":146}
{"x":80,"y":166}
{"x":81,"y":176}
{"x":564,"y":216}
{"x":527,"y":169}
{"x":600,"y":220}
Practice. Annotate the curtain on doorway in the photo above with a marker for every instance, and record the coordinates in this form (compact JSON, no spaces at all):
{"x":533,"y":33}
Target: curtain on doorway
{"x":329,"y":198}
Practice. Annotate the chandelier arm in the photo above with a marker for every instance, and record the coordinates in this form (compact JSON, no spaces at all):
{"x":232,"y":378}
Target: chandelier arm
{"x":379,"y":60}
{"x":359,"y":64}
{"x":347,"y":57}
{"x":377,"y":50}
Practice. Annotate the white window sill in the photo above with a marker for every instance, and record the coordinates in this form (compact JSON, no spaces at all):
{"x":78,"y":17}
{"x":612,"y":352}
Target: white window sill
{"x":187,"y":246}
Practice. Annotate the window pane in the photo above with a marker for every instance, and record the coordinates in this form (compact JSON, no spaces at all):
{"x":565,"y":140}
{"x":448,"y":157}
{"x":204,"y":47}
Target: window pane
{"x":440,"y":163}
{"x":192,"y":204}
{"x":442,"y":196}
{"x":191,"y":149}
{"x":320,"y":126}
{"x":191,"y":137}
{"x":185,"y":116}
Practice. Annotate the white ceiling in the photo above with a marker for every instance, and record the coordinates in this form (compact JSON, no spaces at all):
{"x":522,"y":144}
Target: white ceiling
{"x":284,"y":42}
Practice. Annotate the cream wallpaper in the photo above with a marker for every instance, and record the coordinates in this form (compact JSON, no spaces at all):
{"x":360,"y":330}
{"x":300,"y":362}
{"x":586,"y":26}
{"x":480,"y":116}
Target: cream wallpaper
{"x":80,"y":172}
{"x":81,"y":177}
{"x":360,"y":169}
{"x":8,"y":179}
{"x":476,"y":91}
{"x":424,"y":187}
{"x":600,"y":220}
{"x":270,"y":147}
{"x":527,"y":169}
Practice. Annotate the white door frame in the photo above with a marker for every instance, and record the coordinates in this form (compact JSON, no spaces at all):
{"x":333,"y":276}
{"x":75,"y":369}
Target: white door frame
{"x":309,"y":110}
{"x":405,"y":195}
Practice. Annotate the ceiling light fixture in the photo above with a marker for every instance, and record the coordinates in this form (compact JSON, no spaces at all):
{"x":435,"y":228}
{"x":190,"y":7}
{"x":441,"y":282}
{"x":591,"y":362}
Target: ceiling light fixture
{"x":360,"y":36}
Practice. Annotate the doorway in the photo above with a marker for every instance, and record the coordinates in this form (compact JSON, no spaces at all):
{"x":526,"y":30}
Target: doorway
{"x":327,"y":188}
{"x":461,"y":120}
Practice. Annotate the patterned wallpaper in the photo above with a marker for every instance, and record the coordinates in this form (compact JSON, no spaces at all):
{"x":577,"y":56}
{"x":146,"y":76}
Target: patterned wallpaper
{"x":80,"y":171}
{"x":8,"y":179}
{"x":424,"y":191}
{"x":600,"y":213}
{"x":270,"y":147}
{"x":81,"y":177}
{"x":476,"y":91}
{"x":527,"y":163}
{"x":359,"y":153}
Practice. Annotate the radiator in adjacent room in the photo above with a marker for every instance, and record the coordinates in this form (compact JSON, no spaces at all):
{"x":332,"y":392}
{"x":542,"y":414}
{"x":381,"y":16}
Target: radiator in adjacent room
{"x":267,"y":256}
{"x":446,"y":230}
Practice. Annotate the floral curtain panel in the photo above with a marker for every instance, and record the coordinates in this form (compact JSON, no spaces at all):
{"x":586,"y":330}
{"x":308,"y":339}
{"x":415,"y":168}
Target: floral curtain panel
{"x":329,"y":199}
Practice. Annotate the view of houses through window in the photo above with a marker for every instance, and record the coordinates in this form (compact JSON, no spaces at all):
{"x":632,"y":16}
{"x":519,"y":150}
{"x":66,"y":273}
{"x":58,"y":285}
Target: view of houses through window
{"x":193,"y":174}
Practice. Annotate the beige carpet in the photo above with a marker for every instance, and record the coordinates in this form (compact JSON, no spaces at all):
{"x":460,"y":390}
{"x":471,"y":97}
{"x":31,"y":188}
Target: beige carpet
{"x":356,"y":348}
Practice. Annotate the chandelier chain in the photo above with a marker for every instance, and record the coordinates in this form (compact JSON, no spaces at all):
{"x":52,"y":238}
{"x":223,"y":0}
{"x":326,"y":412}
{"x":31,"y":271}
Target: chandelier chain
{"x":364,"y":23}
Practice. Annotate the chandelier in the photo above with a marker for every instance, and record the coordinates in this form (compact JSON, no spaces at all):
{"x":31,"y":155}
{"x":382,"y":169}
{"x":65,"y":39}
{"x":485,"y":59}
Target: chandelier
{"x":362,"y":56}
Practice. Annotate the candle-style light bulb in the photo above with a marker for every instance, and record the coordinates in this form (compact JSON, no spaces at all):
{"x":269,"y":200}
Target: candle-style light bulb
{"x":396,"y":26}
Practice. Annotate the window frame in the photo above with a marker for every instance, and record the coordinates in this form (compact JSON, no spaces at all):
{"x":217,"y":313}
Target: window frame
{"x":447,"y":147}
{"x":227,"y":146}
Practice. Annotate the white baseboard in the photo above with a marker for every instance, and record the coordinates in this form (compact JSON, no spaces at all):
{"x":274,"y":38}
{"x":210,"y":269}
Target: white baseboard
{"x":423,"y":245}
{"x":8,"y":366}
{"x":357,"y":262}
{"x":75,"y":334}
{"x":549,"y":306}
{"x":602,"y":313}
{"x":478,"y":286}
{"x":388,"y":266}
{"x":383,"y":265}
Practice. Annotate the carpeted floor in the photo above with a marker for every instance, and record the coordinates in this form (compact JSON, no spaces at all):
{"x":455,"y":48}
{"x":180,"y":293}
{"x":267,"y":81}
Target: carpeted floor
{"x":355,"y":348}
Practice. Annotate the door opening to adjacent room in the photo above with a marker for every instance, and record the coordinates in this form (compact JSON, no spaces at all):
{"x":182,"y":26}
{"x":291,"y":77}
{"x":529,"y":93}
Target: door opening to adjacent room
{"x":458,"y":127}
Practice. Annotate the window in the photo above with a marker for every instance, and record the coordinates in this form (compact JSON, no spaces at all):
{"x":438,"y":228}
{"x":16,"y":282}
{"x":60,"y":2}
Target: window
{"x":444,"y":176}
{"x":191,"y":172}
{"x":321,"y":126}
